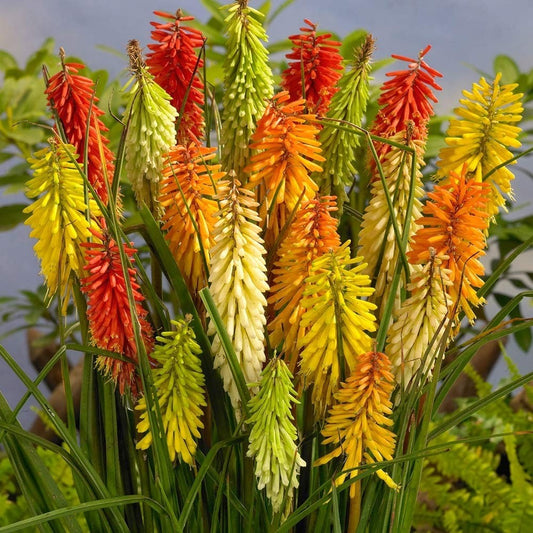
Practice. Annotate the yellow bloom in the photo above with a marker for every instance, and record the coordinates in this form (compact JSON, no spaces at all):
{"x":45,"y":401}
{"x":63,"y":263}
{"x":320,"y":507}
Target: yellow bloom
{"x":58,"y":216}
{"x":358,"y":422}
{"x":482,"y":135}
{"x":273,"y":435}
{"x":312,"y":233}
{"x":333,"y":307}
{"x":179,"y":382}
{"x":377,"y":240}
{"x":416,"y":334}
{"x":238,"y":283}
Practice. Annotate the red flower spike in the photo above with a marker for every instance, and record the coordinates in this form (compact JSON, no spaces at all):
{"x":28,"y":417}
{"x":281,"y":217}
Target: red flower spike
{"x":174,"y":63}
{"x":109,"y":311}
{"x":72,"y":97}
{"x":406,"y":97}
{"x":315,"y":58}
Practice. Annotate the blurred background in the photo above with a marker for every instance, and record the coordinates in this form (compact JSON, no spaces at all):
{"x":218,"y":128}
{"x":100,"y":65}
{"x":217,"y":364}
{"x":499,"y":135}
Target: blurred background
{"x":466,"y":37}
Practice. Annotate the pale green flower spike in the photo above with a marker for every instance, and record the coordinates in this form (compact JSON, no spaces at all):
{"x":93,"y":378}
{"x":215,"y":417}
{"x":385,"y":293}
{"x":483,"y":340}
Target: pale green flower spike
{"x":151,"y":131}
{"x":238,"y":283}
{"x":348,"y":106}
{"x":179,"y":382}
{"x":247,"y":84}
{"x":273,"y":435}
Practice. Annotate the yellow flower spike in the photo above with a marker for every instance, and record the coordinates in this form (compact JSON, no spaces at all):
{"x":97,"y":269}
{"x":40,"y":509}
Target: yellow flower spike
{"x":377,"y":240}
{"x":58,"y":216}
{"x":179,"y":382}
{"x":355,"y":424}
{"x":420,"y":322}
{"x":238,"y":283}
{"x":334,"y":277}
{"x":481,"y":137}
{"x":273,"y":435}
{"x":312,"y":233}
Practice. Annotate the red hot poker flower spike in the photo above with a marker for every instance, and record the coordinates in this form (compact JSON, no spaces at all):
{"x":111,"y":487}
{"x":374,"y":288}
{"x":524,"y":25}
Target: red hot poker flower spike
{"x":174,"y":63}
{"x":407,"y":97}
{"x":109,"y":311}
{"x":72,"y":97}
{"x":317,"y":60}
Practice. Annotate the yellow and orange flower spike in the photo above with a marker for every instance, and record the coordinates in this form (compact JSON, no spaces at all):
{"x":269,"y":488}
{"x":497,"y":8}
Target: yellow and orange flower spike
{"x":454,"y":224}
{"x":337,"y":320}
{"x":377,"y":240}
{"x":415,"y":337}
{"x":71,"y":95}
{"x":312,"y":233}
{"x":187,"y":193}
{"x":288,"y":152}
{"x":317,"y":62}
{"x":359,"y":421}
{"x":238,"y":282}
{"x":58,"y":216}
{"x":482,"y":135}
{"x":108,"y":309}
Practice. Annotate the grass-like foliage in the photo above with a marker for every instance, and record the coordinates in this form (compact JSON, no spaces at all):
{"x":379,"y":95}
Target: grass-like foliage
{"x":272,"y":291}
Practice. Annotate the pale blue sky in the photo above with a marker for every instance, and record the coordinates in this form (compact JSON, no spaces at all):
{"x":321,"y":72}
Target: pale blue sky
{"x":461,"y":32}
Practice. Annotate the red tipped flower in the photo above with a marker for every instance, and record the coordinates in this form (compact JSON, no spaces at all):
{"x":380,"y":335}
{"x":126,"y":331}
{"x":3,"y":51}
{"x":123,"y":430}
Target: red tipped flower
{"x":72,"y":97}
{"x":174,"y":63}
{"x":407,"y":97}
{"x":109,"y":311}
{"x":317,"y":60}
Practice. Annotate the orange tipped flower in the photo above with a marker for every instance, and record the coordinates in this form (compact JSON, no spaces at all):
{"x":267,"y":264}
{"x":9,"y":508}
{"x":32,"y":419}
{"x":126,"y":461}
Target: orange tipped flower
{"x":312,"y":233}
{"x":317,"y":62}
{"x":175,"y":66}
{"x":337,"y":321}
{"x":288,"y":154}
{"x":406,"y":97}
{"x":109,"y":311}
{"x":72,"y":97}
{"x":358,"y":422}
{"x":187,"y":193}
{"x":454,"y":224}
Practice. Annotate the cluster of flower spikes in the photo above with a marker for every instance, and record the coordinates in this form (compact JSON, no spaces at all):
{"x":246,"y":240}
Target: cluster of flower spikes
{"x":481,"y":137}
{"x":72,"y":97}
{"x":150,"y":134}
{"x":406,"y":97}
{"x":179,"y":382}
{"x":187,"y":197}
{"x":273,"y":435}
{"x":248,"y":84}
{"x":312,"y":233}
{"x":358,"y":422}
{"x":110,"y":316}
{"x":238,"y":283}
{"x":57,"y":216}
{"x":175,"y":66}
{"x":314,"y":68}
{"x":336,"y":320}
{"x":347,"y":106}
{"x":288,"y":152}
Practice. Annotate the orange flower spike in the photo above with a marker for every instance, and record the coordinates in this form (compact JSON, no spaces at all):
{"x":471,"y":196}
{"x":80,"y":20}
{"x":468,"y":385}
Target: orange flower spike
{"x":454,"y":224}
{"x":174,"y":63}
{"x":407,"y":96}
{"x":72,"y":97}
{"x":284,"y":137}
{"x":186,"y":194}
{"x":312,"y":233}
{"x":317,"y":60}
{"x":109,"y":311}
